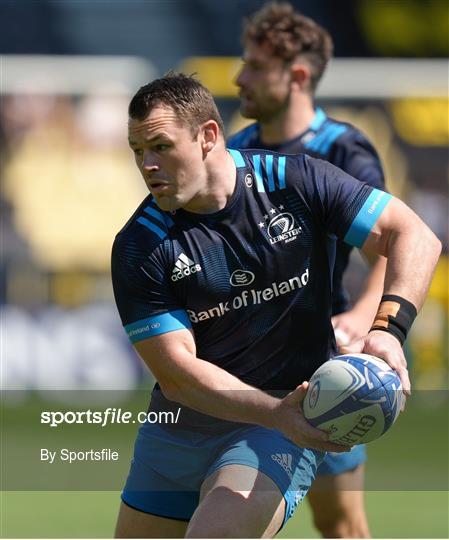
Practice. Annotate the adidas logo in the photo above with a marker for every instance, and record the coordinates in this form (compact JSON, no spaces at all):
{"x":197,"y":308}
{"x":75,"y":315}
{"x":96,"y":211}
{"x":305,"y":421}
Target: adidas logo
{"x":184,"y":267}
{"x":285,"y":461}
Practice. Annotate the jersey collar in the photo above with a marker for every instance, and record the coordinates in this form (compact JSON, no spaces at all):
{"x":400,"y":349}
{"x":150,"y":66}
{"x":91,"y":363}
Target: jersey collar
{"x":318,"y":119}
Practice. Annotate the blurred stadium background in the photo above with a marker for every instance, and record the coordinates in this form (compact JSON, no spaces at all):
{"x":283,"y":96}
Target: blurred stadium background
{"x":68,"y":69}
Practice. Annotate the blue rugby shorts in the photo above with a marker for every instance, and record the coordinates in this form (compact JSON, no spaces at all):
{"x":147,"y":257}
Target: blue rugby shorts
{"x":170,"y":465}
{"x":334,"y":463}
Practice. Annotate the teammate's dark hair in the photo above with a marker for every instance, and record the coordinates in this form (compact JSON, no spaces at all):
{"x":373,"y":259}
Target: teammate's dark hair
{"x":289,"y":34}
{"x":191,"y":101}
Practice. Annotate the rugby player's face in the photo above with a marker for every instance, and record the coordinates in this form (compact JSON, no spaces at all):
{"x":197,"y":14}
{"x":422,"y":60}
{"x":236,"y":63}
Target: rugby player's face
{"x":168,"y":157}
{"x":264,"y":82}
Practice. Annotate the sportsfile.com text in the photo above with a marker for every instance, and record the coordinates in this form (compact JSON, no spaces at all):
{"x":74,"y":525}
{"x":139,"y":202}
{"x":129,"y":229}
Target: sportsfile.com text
{"x":111,"y":415}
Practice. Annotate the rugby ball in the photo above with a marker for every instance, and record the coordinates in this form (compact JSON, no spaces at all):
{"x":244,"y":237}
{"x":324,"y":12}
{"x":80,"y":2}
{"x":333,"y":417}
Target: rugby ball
{"x":356,"y":398}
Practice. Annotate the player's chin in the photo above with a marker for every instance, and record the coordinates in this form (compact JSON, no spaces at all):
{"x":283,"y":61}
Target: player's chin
{"x":168,"y":203}
{"x":247,"y":110}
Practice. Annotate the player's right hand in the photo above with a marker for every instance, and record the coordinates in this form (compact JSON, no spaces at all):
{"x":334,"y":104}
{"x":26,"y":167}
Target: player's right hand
{"x":292,"y":423}
{"x":387,"y":348}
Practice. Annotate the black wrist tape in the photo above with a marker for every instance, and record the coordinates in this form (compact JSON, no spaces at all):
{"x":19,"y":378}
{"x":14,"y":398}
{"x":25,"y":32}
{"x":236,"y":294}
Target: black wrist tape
{"x":395,"y":316}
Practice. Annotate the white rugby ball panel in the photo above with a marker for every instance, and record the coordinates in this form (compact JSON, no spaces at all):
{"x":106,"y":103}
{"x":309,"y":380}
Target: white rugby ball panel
{"x":337,"y":380}
{"x":356,"y":397}
{"x":357,"y":427}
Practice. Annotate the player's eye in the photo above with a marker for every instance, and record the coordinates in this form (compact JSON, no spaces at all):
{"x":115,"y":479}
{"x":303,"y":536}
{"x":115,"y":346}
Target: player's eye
{"x":161,"y":147}
{"x":137,"y":151}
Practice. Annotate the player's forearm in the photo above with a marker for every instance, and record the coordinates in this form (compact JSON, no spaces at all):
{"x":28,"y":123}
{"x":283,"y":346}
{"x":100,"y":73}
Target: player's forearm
{"x":367,"y":303}
{"x":209,"y":389}
{"x":411,"y":249}
{"x":412,"y":255}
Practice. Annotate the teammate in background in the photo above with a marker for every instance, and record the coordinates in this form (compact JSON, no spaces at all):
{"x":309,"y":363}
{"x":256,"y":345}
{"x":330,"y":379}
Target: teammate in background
{"x":222,"y":281}
{"x":285,"y":55}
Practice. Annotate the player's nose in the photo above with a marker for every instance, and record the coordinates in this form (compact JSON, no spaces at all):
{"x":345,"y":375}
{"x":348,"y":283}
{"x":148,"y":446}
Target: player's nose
{"x":240,"y":77}
{"x":150,"y":162}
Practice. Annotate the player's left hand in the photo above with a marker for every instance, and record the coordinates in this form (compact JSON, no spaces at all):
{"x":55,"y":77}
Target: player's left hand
{"x":350,"y":326}
{"x":384,"y":346}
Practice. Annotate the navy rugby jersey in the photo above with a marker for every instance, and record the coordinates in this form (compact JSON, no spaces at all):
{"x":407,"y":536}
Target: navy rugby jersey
{"x":340,"y":144}
{"x":252,"y":280}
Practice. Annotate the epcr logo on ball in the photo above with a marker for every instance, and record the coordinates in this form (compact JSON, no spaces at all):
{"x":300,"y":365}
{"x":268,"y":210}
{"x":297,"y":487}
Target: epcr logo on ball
{"x":313,"y":395}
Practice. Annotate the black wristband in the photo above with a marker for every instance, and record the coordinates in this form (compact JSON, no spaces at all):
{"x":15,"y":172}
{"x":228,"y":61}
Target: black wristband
{"x":395,"y":316}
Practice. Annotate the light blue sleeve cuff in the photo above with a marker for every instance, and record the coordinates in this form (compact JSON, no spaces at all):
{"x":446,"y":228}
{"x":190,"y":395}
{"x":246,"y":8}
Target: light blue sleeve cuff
{"x":366,"y":218}
{"x":159,"y":324}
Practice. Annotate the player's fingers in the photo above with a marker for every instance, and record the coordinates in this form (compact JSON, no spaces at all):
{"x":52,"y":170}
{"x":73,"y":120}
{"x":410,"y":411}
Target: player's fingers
{"x":354,"y":347}
{"x":293,"y":401}
{"x":312,"y":433}
{"x":319,"y":439}
{"x":403,"y":399}
{"x":333,"y":447}
{"x":298,"y":395}
{"x":327,"y":446}
{"x":347,"y":325}
{"x":341,"y":337}
{"x":397,"y":362}
{"x":405,"y":381}
{"x":335,"y":320}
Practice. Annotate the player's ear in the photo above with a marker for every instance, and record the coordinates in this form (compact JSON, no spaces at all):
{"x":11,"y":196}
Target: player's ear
{"x":301,"y":76}
{"x":209,"y":133}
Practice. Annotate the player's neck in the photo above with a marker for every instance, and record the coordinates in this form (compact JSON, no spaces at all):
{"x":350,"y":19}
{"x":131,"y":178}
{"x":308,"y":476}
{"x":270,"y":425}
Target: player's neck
{"x":289,"y":123}
{"x":220,"y":185}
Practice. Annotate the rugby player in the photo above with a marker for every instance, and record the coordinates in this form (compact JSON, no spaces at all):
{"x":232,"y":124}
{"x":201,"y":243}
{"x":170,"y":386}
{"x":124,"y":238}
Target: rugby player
{"x":285,"y":55}
{"x":222,"y":281}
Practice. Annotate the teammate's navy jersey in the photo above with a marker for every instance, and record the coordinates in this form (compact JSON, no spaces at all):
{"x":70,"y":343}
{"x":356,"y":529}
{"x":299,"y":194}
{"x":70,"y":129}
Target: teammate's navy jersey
{"x":253,"y":280}
{"x":342,"y":145}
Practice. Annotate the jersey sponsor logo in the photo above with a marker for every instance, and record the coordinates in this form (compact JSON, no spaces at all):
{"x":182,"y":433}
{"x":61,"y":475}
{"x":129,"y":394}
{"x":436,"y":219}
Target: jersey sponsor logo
{"x":184,"y":267}
{"x":251,"y":297}
{"x":283,"y":227}
{"x":285,"y":461}
{"x":240,"y":278}
{"x":249,"y":180}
